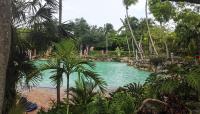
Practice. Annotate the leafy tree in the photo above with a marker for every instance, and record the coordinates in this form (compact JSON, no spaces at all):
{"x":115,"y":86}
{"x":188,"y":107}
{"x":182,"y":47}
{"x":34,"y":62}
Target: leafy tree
{"x":162,"y":11}
{"x":165,"y":39}
{"x":187,"y":30}
{"x":66,"y":50}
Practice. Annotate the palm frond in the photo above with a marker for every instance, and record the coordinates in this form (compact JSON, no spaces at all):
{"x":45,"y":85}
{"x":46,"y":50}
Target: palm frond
{"x":97,"y":79}
{"x":31,"y":73}
{"x":193,"y":78}
{"x":83,"y":92}
{"x":56,"y":71}
{"x":136,"y":89}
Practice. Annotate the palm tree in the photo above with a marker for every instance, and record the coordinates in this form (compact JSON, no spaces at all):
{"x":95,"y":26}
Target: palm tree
{"x":66,"y":51}
{"x":5,"y":36}
{"x":78,"y":66}
{"x":148,"y":29}
{"x":128,"y":3}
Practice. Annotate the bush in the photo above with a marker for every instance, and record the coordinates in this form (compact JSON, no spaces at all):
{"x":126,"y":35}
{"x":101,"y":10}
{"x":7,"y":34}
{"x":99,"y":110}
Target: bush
{"x":55,"y":109}
{"x":122,"y":103}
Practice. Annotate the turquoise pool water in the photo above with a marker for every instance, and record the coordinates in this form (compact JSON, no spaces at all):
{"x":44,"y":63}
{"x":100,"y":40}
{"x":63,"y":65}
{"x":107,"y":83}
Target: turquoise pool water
{"x":114,"y":73}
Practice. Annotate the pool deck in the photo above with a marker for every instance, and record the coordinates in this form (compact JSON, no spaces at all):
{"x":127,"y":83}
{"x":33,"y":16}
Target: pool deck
{"x":42,"y":97}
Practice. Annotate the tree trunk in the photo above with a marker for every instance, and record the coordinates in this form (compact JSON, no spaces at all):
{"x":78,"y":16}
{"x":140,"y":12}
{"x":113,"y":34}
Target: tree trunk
{"x":129,"y":52}
{"x":133,"y":47}
{"x":106,"y":44}
{"x":133,"y":37}
{"x":67,"y":93}
{"x":140,"y":46}
{"x":167,"y":49}
{"x":67,"y":88}
{"x":151,"y":40}
{"x":150,"y":47}
{"x":58,"y":90}
{"x":58,"y":81}
{"x":60,"y":12}
{"x":5,"y":37}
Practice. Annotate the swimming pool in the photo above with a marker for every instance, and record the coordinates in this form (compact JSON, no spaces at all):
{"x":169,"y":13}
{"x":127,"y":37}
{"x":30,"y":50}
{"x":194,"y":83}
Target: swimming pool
{"x":115,"y":74}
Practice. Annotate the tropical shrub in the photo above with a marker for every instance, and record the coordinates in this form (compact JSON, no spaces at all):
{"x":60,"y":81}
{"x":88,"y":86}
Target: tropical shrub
{"x":122,"y":103}
{"x":55,"y":109}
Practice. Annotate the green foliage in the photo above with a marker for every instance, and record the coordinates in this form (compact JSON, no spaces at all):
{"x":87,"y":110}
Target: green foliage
{"x":162,"y":11}
{"x":85,"y":34}
{"x":122,"y":103}
{"x":174,"y":81}
{"x":128,"y":3}
{"x":193,"y":79}
{"x":137,"y":91}
{"x":98,"y":106}
{"x":65,"y":49}
{"x":188,"y":31}
{"x":83,"y":96}
{"x":18,"y":109}
{"x":83,"y":92}
{"x":55,"y":109}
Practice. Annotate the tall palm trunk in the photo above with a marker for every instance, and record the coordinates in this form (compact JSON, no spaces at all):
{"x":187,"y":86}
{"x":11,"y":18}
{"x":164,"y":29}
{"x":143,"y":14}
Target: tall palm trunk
{"x":58,"y":81}
{"x":58,"y":91}
{"x":133,"y":37}
{"x":58,"y":86}
{"x":67,"y":93}
{"x":5,"y":37}
{"x":151,"y":40}
{"x":106,"y":32}
{"x":133,"y":47}
{"x":60,"y":12}
{"x":129,"y":52}
{"x":106,"y":44}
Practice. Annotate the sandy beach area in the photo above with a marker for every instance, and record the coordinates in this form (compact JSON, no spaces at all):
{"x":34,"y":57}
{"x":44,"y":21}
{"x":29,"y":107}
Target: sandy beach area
{"x":41,"y":96}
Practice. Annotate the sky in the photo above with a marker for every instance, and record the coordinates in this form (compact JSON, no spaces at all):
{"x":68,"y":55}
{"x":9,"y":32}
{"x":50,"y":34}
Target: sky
{"x":99,"y":12}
